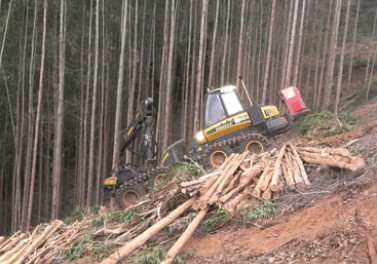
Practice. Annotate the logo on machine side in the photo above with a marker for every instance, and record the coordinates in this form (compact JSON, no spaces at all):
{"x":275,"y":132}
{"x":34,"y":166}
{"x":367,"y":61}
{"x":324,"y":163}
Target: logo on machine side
{"x":221,"y":126}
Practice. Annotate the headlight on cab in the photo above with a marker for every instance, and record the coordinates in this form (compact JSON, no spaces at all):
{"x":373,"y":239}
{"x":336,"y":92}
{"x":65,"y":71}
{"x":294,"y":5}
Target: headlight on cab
{"x":200,"y":138}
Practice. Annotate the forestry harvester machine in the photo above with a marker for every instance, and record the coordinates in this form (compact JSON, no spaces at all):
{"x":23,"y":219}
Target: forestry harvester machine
{"x":227,"y":127}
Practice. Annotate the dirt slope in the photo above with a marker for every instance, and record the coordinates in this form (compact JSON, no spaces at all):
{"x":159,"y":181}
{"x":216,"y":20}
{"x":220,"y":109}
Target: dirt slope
{"x":337,"y":225}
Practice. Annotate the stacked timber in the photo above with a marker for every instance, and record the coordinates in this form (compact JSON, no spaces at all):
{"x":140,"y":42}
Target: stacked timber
{"x":242,"y":177}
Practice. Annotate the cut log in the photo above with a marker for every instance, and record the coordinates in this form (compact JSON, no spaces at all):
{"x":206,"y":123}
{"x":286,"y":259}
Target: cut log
{"x":227,"y":178}
{"x":179,"y":244}
{"x":288,"y":175}
{"x":204,"y":199}
{"x":201,"y":179}
{"x":333,"y":151}
{"x":293,"y":166}
{"x":49,"y":231}
{"x":296,"y":156}
{"x":267,"y":194}
{"x":232,"y":182}
{"x":9,"y":240}
{"x":138,"y":241}
{"x":277,"y":169}
{"x":2,"y":239}
{"x":207,"y":185}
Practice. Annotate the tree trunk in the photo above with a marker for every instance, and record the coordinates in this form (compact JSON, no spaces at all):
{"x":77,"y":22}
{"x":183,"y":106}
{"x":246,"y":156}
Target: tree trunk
{"x":268,"y":56}
{"x":118,"y":113}
{"x":38,"y":113}
{"x":332,"y":55}
{"x":340,"y":71}
{"x":58,"y":140}
{"x":201,"y":64}
{"x":353,"y":46}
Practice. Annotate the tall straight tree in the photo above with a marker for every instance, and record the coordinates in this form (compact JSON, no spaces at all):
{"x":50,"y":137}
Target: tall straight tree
{"x":350,"y":66}
{"x":288,"y":76}
{"x":341,"y":62}
{"x":332,"y":55}
{"x":59,"y":118}
{"x":268,"y":56}
{"x":118,"y":113}
{"x":212,"y":63}
{"x":38,"y":114}
{"x":201,"y":64}
{"x":240,"y":46}
{"x":93,"y":120}
{"x":169,"y":78}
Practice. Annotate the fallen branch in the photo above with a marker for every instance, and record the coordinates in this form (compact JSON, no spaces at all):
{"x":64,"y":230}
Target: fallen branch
{"x":124,"y":251}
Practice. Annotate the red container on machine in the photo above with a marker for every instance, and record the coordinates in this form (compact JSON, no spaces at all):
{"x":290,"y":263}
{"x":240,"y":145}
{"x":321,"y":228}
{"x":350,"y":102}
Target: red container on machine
{"x":293,"y":100}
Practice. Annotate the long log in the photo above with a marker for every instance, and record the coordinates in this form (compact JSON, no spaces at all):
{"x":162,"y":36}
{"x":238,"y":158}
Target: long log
{"x":138,"y":241}
{"x":300,"y":164}
{"x":227,"y":178}
{"x":207,"y":185}
{"x":277,"y":169}
{"x":332,"y":151}
{"x":350,"y":163}
{"x":232,"y":182}
{"x":204,"y":199}
{"x":201,"y":179}
{"x":179,"y":244}
{"x":288,"y":175}
{"x":9,"y":240}
{"x":49,"y":231}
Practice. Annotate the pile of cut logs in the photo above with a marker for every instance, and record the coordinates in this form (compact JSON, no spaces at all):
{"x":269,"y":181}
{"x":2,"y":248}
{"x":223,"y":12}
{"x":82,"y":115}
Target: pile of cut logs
{"x":231,"y":186}
{"x":42,"y":245}
{"x":242,"y":176}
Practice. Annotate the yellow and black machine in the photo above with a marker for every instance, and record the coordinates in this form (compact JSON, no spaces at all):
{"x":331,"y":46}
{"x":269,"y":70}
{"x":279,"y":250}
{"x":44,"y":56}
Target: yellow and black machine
{"x":227,"y":127}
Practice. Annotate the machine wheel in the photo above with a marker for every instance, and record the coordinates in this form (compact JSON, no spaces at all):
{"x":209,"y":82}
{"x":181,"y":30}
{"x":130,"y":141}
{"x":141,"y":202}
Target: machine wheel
{"x":254,"y":145}
{"x":156,"y":176}
{"x":217,"y":156}
{"x":128,"y":195}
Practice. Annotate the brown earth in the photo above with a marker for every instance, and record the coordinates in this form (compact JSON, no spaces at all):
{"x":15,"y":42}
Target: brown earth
{"x":334,"y":221}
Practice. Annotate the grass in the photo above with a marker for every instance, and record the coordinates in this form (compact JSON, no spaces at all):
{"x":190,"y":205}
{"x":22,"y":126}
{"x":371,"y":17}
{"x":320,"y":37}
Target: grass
{"x":78,"y":249}
{"x":184,"y":169}
{"x":157,"y":255}
{"x":76,"y":215}
{"x":325,"y":120}
{"x":264,"y":210}
{"x":215,"y":220}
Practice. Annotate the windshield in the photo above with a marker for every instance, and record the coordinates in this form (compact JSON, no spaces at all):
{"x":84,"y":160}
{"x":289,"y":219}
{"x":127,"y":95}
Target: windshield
{"x":232,"y":104}
{"x":214,"y":110}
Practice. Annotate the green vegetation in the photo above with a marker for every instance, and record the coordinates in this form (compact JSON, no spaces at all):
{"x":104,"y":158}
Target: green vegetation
{"x":215,"y":220}
{"x":264,"y":210}
{"x":98,"y":222}
{"x":180,"y":169}
{"x":119,"y":216}
{"x":361,"y":93}
{"x":325,"y":120}
{"x":158,"y":254}
{"x":98,"y":250}
{"x":76,"y":215}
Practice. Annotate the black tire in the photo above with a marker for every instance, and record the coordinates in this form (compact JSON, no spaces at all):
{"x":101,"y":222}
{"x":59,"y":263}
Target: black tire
{"x":217,"y":156}
{"x":128,"y":195}
{"x":254,"y":145}
{"x":155,"y":176}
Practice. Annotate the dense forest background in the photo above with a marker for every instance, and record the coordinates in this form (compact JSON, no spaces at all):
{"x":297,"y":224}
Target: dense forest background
{"x":72,"y":74}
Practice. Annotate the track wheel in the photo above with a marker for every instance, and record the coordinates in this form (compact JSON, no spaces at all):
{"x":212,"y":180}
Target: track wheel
{"x":254,"y":145}
{"x":218,"y":156}
{"x":156,"y":176}
{"x":128,"y":195}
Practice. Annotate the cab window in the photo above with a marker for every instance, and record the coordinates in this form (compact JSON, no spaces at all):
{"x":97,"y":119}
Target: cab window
{"x":232,"y":104}
{"x":215,"y":111}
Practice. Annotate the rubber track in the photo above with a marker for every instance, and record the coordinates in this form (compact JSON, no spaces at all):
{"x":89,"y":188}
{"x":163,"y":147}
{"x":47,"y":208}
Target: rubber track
{"x":236,"y":141}
{"x":142,"y":179}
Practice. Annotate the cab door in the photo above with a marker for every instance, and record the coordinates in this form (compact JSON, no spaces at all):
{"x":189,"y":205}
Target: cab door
{"x":224,"y":114}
